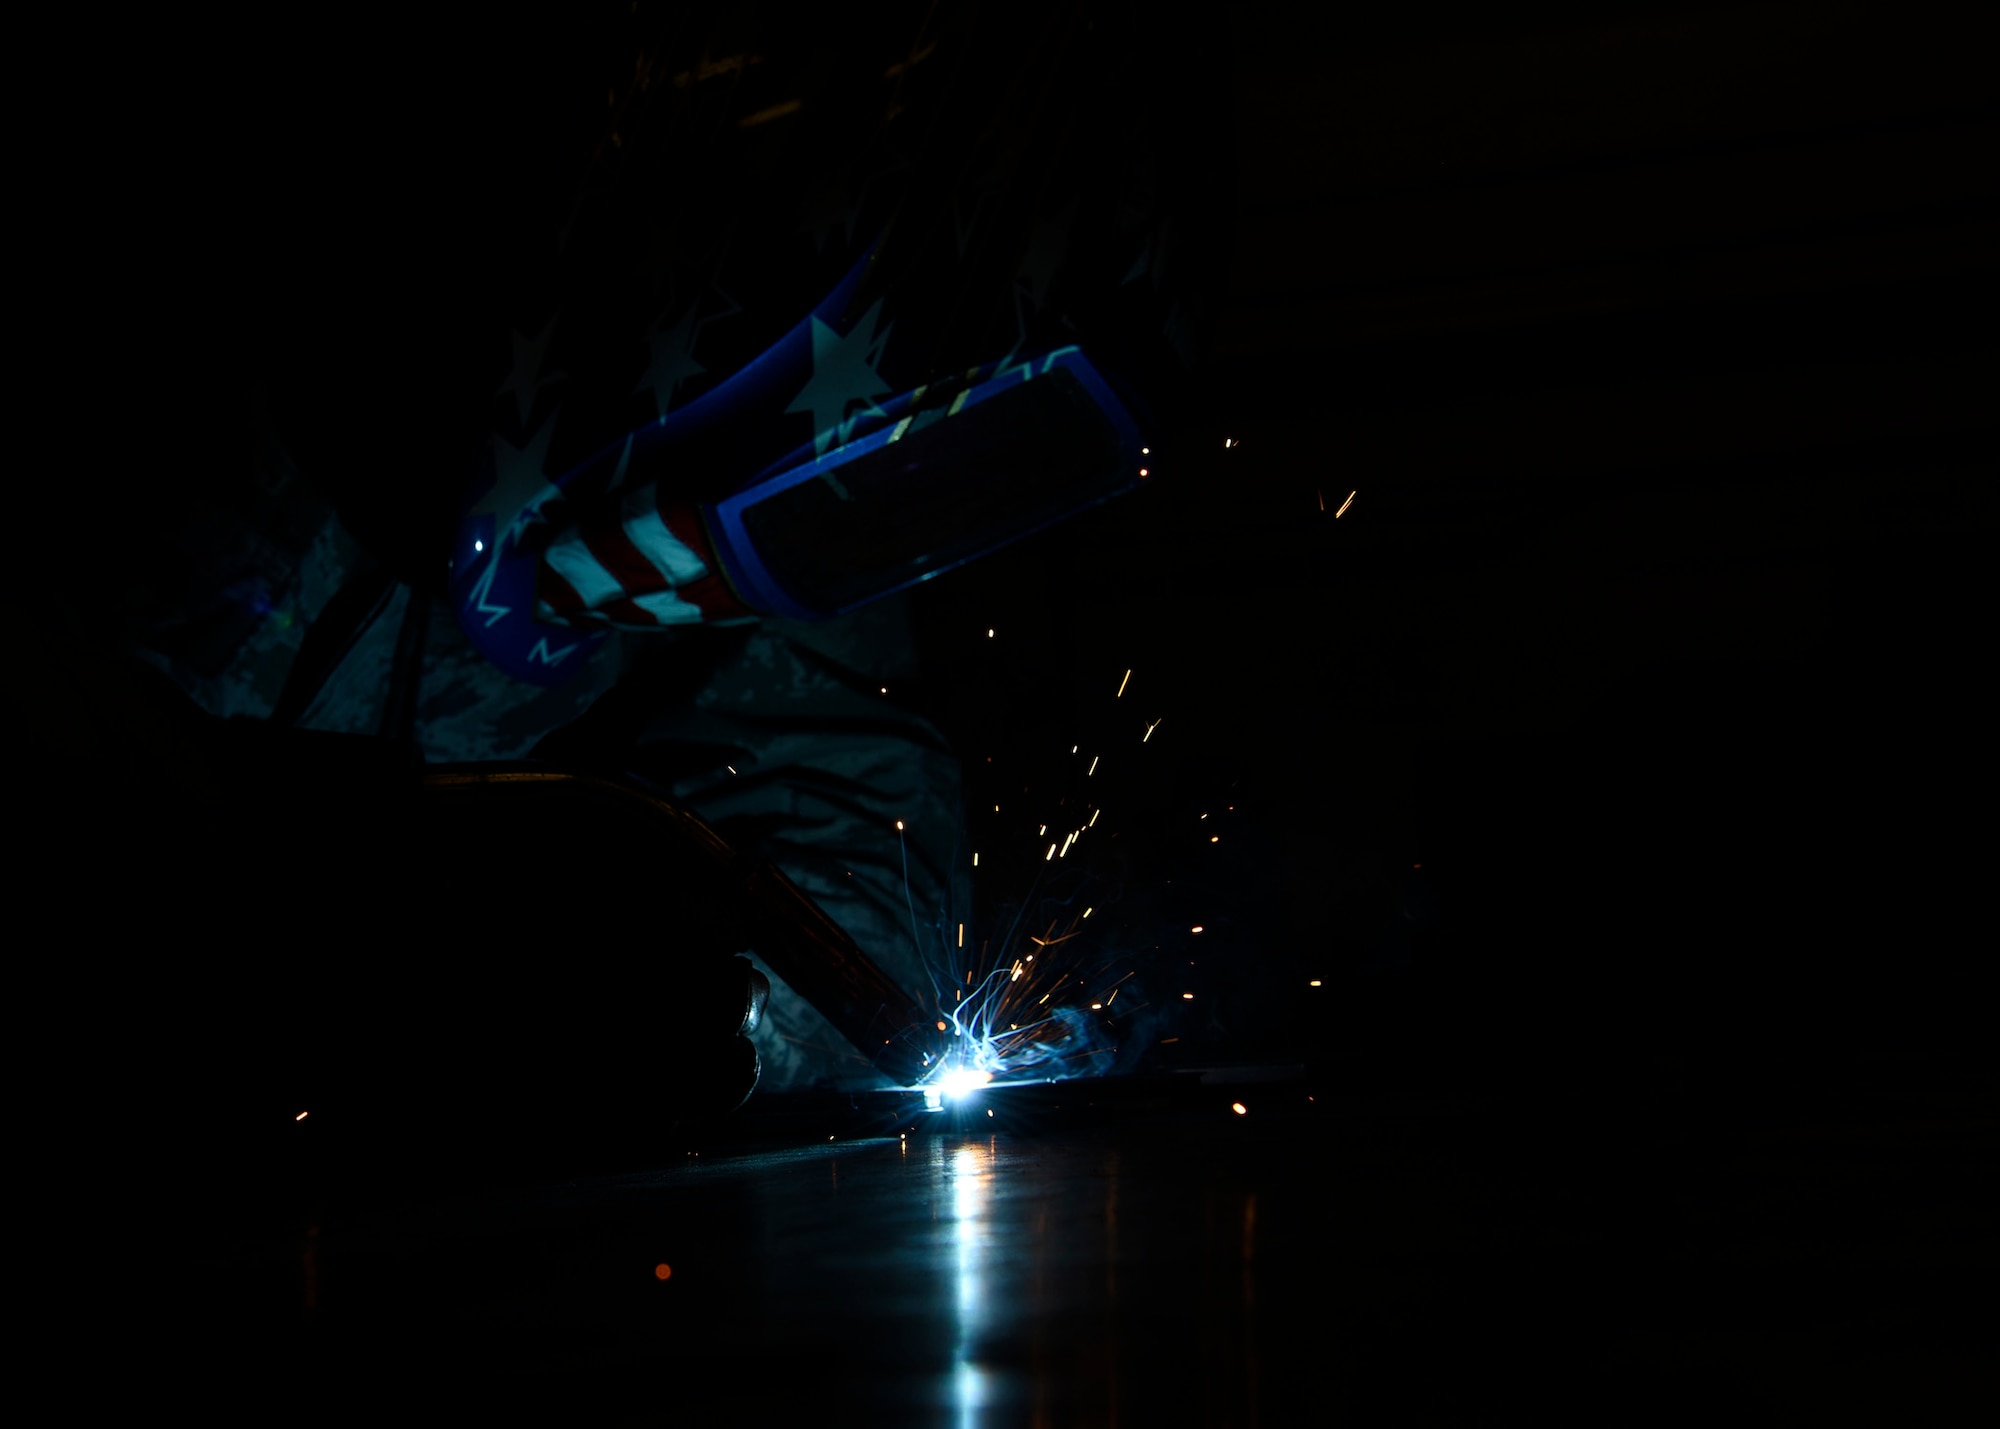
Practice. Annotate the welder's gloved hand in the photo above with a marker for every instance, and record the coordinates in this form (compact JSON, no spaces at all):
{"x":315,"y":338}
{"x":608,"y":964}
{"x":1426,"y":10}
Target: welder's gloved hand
{"x":710,"y":1063}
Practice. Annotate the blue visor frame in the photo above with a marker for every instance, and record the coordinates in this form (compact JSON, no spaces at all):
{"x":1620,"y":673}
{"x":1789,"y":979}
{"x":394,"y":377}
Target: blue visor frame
{"x":761,"y":588}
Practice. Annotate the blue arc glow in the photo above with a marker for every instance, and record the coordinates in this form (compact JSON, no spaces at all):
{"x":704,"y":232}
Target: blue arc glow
{"x":962,"y":1082}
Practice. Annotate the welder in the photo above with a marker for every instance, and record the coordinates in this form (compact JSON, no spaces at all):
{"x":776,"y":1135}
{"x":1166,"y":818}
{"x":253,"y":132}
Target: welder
{"x":897,"y":330}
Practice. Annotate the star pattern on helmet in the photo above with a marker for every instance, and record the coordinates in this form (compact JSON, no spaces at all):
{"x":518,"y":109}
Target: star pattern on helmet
{"x":831,"y":205}
{"x":673,"y":362}
{"x":844,"y":377}
{"x":526,"y":379}
{"x":519,"y":487}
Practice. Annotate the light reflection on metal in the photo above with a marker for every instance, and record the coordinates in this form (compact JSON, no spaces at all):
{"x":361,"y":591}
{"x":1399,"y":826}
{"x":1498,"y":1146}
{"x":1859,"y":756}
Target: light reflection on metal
{"x":967,"y":1171}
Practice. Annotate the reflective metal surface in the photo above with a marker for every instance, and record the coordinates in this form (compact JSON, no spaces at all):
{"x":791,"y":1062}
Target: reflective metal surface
{"x":1304,"y":1259}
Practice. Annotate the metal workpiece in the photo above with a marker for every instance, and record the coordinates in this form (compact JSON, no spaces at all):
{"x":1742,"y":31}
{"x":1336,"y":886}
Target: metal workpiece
{"x":819,"y":961}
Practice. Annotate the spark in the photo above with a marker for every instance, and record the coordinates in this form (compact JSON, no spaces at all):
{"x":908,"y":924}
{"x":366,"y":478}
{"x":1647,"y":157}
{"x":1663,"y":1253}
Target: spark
{"x":1122,"y":684}
{"x":1228,"y":442}
{"x":663,"y":1271}
{"x":1187,"y":997}
{"x":1093,"y":766}
{"x":1097,"y":1007}
{"x":961,"y":943}
{"x":1051,"y":854}
{"x":478,"y":546}
{"x":1144,"y":472}
{"x":899,"y":826}
{"x":975,"y":858}
{"x":1216,"y":839}
{"x":1086,"y":912}
{"x":1313,"y":983}
{"x":1322,"y":499}
{"x":1344,"y":505}
{"x":730,"y":767}
{"x":765,"y":116}
{"x":300,"y":1117}
{"x":1238,"y":1108}
{"x":1195,"y":929}
{"x":1149,"y":731}
{"x":1093,"y":817}
{"x":989,"y":634}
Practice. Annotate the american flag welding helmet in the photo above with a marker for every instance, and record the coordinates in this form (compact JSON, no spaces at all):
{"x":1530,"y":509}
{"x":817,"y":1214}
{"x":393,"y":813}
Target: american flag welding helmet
{"x":840,"y":309}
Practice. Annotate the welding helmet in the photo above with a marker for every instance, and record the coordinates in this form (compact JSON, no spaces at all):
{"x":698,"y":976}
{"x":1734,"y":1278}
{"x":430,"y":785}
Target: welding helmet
{"x":918,"y":292}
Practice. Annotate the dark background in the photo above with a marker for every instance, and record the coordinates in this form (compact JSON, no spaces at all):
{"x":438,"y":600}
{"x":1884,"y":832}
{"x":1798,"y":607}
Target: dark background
{"x":1655,"y":343}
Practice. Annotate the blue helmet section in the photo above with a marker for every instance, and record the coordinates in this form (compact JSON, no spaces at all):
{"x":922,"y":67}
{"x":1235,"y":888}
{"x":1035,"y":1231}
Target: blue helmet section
{"x":943,"y":193}
{"x":496,"y":555}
